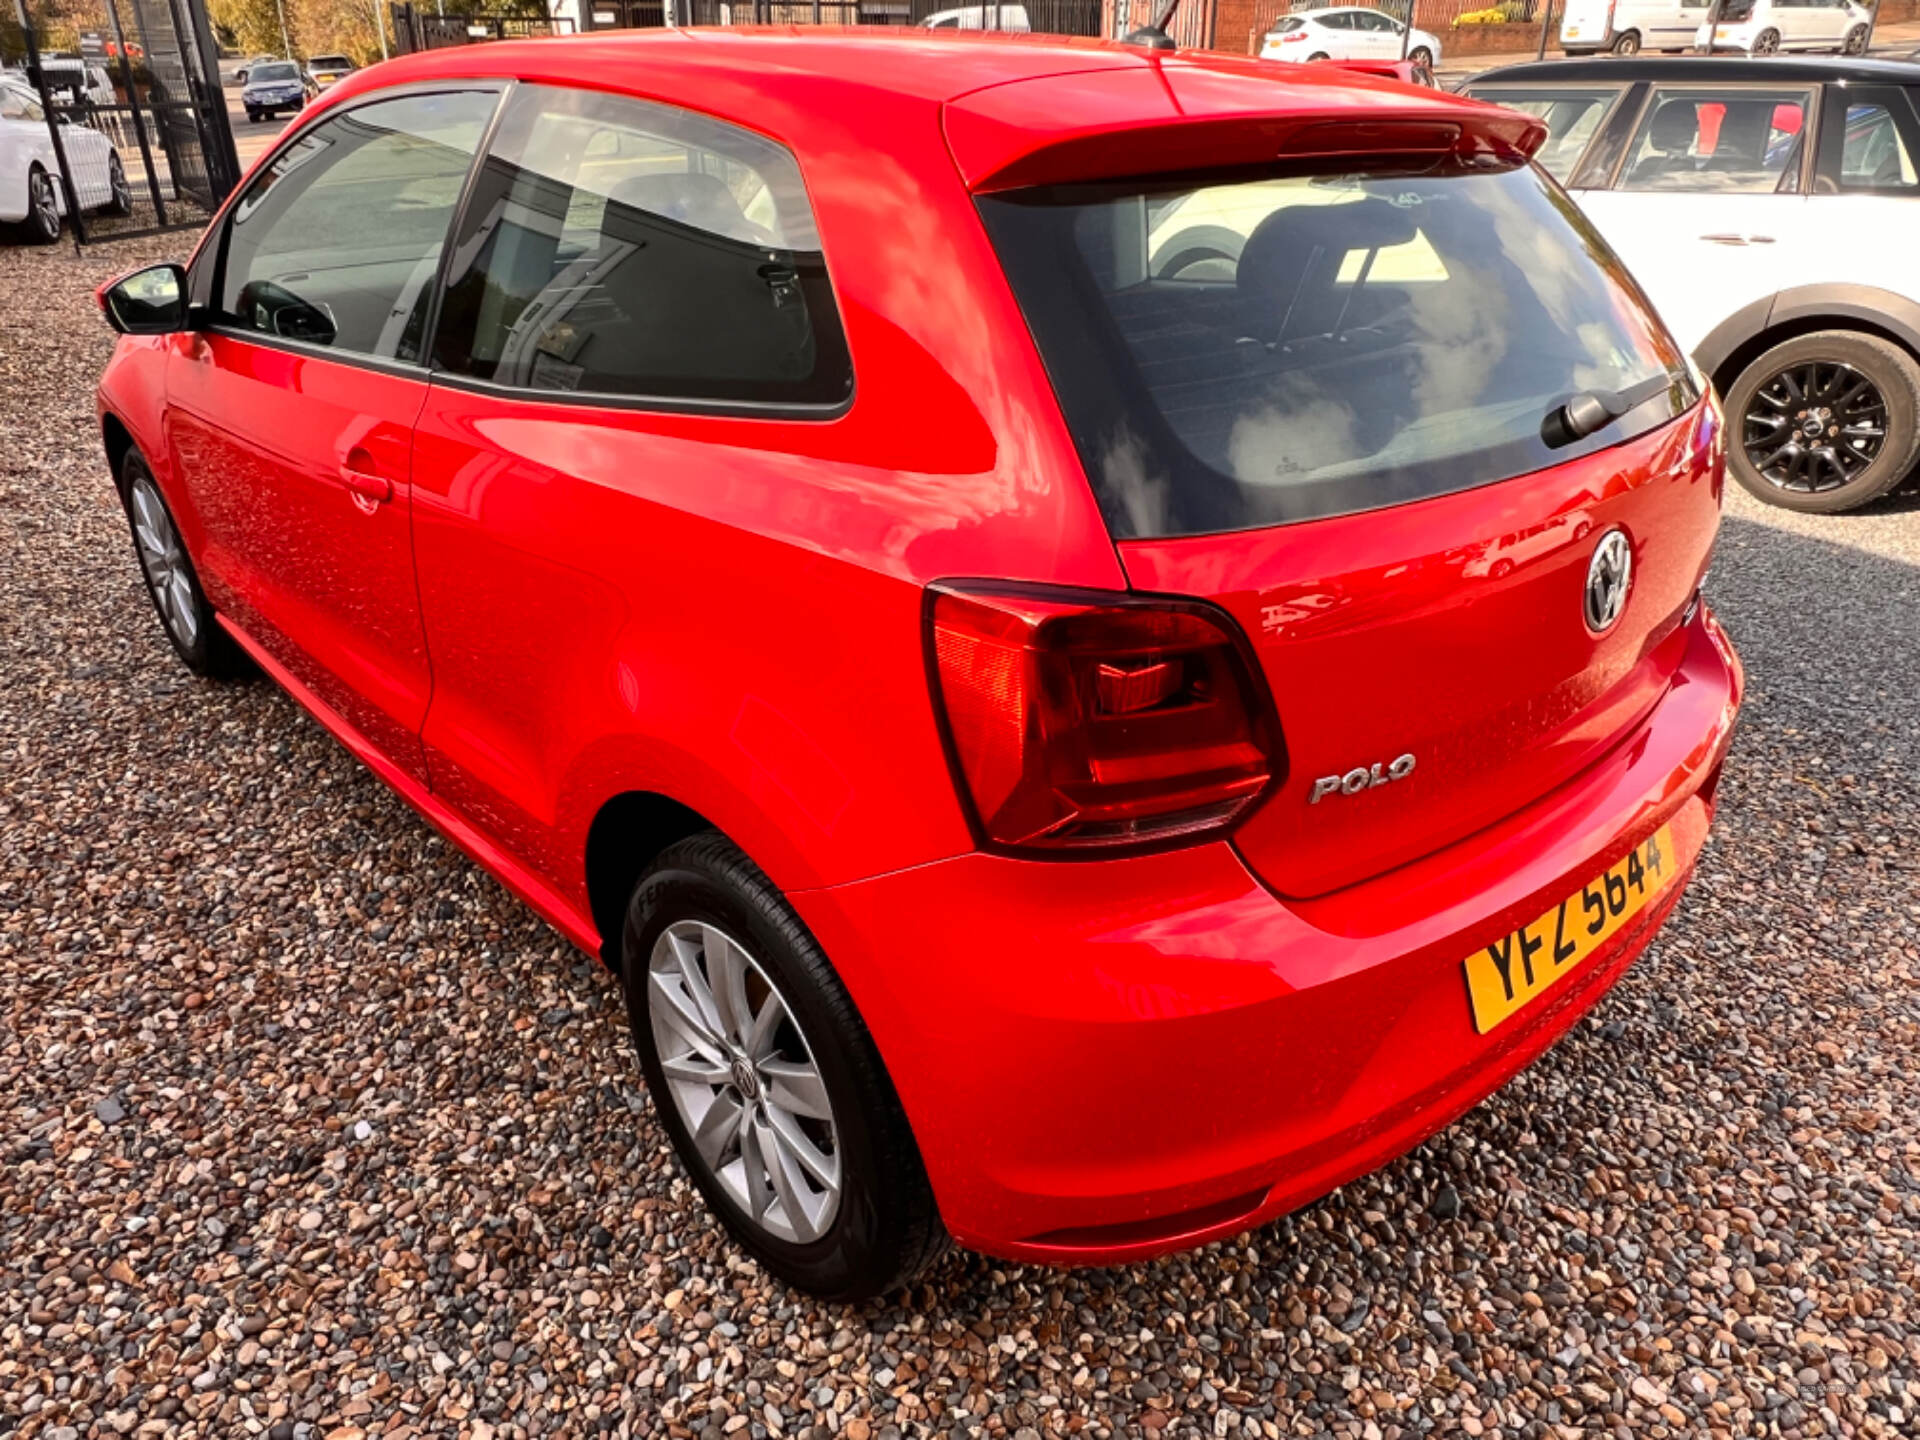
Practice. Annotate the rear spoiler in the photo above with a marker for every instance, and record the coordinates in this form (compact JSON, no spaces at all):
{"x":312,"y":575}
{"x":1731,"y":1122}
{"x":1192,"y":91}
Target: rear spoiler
{"x":1164,"y":116}
{"x":1405,"y":71}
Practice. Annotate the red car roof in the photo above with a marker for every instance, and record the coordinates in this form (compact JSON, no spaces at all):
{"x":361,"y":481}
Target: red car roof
{"x":1009,"y":100}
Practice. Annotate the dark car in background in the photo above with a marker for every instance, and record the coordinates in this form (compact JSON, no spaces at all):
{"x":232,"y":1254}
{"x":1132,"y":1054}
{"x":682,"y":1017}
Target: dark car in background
{"x":273,"y":86}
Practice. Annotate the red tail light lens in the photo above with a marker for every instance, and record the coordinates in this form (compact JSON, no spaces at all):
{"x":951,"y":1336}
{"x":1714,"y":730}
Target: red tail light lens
{"x":1078,"y":721}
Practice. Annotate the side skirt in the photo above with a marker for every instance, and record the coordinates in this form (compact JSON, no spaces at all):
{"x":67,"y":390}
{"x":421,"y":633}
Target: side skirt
{"x":548,"y":902}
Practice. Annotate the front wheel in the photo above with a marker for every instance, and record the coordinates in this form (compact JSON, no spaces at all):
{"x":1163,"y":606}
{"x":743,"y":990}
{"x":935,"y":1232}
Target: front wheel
{"x":42,"y":225}
{"x":1825,"y":422}
{"x":1627,"y":44}
{"x":172,"y":583}
{"x":1421,"y":55}
{"x":767,"y":1082}
{"x":1856,"y":41}
{"x":1318,"y":55}
{"x":119,"y":193}
{"x":1767,"y":42}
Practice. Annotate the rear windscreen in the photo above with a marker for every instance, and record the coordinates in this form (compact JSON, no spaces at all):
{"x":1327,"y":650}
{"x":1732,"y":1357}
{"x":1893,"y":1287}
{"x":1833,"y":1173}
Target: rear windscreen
{"x":1251,"y":351}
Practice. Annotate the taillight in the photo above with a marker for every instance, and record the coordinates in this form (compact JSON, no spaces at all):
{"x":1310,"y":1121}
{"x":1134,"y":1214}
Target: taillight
{"x":1084,"y":721}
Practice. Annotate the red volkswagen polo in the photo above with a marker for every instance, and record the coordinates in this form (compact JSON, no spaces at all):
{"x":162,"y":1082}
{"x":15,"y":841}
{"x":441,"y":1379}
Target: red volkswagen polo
{"x":1104,"y":638}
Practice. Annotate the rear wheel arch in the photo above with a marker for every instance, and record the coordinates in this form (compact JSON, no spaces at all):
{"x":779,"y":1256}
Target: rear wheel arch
{"x":1751,"y":331}
{"x":118,"y":441}
{"x":626,"y":835}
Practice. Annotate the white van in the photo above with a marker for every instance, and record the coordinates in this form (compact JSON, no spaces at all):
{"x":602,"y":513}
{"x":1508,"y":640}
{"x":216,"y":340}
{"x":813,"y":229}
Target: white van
{"x":1626,"y":27}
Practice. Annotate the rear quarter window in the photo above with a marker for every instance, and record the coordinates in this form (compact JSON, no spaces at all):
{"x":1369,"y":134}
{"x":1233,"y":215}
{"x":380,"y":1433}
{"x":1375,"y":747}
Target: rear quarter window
{"x":1252,"y":351}
{"x":1572,"y":117}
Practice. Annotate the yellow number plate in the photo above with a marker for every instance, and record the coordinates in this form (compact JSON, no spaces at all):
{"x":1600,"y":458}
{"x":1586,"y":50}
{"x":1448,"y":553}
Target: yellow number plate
{"x":1519,"y":967}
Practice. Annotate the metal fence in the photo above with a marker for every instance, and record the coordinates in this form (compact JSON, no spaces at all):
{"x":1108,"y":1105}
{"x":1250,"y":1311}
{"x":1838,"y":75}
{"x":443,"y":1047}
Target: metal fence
{"x":137,"y":120}
{"x":415,"y":29}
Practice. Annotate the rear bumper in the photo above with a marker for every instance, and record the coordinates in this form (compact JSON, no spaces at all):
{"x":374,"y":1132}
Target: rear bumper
{"x":1107,"y":1061}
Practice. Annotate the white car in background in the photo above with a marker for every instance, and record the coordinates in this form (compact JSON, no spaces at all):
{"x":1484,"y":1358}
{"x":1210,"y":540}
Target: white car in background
{"x":1771,"y":211}
{"x":31,"y":202}
{"x":1766,"y":27}
{"x":1347,"y":32}
{"x":1012,"y":18}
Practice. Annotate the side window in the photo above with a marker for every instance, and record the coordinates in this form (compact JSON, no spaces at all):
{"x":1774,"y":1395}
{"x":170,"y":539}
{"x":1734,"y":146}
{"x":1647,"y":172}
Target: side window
{"x":337,"y":242}
{"x":1720,"y":141}
{"x":1572,"y":117}
{"x":1869,"y":141}
{"x":618,"y":247}
{"x":1339,"y":20}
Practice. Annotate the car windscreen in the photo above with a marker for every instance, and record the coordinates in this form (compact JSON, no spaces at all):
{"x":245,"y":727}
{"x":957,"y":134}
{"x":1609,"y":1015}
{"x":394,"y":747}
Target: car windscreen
{"x":273,"y":74}
{"x":1243,"y":351}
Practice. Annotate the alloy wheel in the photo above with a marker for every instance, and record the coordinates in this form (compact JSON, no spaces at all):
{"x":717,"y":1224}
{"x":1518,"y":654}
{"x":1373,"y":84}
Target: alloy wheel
{"x":45,"y":205}
{"x":164,"y":560}
{"x":744,"y":1081}
{"x":1856,"y":41}
{"x":1814,"y":426}
{"x":1766,"y":42}
{"x":122,"y":200}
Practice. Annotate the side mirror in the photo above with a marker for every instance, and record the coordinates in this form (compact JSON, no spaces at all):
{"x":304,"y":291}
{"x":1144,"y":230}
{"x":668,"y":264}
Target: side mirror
{"x":152,"y":301}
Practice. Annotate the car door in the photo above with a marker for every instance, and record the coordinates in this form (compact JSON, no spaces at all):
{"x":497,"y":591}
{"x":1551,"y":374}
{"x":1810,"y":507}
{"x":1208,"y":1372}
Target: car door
{"x":1334,"y":35}
{"x":1707,"y":205}
{"x":290,"y":414}
{"x":1867,"y":187}
{"x":1370,"y":34}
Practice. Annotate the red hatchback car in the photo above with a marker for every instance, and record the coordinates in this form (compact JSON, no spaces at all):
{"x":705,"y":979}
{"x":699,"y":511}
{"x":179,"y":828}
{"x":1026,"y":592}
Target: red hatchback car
{"x":1104,"y":638}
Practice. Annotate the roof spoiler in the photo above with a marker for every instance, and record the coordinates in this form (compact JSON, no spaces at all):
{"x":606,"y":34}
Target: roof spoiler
{"x":1139,"y":122}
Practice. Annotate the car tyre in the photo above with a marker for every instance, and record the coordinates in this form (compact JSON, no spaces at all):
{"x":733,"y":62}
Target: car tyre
{"x":1318,"y":55}
{"x":1421,"y":55}
{"x":119,"y":193}
{"x":253,"y":117}
{"x":1627,"y":43}
{"x":1856,"y":41}
{"x":1764,"y":407}
{"x":1767,"y":42}
{"x":42,"y":223}
{"x":173,"y":585}
{"x":880,"y":1227}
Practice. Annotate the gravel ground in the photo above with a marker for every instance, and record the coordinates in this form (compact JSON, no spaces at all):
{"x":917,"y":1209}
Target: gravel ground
{"x":311,"y":1130}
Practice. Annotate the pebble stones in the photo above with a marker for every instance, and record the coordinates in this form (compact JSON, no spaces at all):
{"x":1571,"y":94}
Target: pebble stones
{"x":293,"y":1151}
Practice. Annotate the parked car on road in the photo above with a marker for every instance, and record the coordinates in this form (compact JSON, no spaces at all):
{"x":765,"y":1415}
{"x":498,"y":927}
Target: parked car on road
{"x":1344,"y":32}
{"x":273,"y":86}
{"x":1767,"y":27}
{"x":240,"y":75}
{"x":325,"y":70}
{"x":991,"y":700}
{"x":1771,"y":209}
{"x":31,"y":199}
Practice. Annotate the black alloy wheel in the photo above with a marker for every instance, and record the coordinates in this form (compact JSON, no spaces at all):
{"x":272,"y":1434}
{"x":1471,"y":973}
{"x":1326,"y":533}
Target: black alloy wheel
{"x":1825,"y":422}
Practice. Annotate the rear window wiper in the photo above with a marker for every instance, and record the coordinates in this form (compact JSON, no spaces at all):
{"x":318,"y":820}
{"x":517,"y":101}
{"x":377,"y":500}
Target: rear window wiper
{"x":1580,"y":415}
